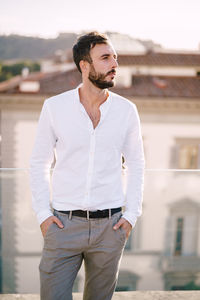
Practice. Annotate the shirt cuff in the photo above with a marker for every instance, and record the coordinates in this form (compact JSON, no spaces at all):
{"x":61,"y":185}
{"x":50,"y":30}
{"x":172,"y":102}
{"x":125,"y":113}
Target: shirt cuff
{"x":43,"y":215}
{"x":131,"y":219}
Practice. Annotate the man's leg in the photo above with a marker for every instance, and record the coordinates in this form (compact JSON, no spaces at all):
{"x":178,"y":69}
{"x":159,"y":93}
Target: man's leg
{"x":62,"y":257}
{"x":102,"y":259}
{"x":57,"y":283}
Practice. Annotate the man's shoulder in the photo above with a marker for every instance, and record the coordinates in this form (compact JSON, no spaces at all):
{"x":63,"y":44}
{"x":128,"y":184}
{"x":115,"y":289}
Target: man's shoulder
{"x":122,"y":101}
{"x":65,"y":97}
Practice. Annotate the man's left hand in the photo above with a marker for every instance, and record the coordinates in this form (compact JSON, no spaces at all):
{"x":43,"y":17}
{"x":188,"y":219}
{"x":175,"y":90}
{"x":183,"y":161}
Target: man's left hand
{"x":127,"y":227}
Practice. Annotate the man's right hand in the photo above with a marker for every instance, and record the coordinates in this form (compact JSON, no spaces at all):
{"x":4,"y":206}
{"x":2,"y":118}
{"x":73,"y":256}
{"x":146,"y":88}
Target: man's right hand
{"x":45,"y":225}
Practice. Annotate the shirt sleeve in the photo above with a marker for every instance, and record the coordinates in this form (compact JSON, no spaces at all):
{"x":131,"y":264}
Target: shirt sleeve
{"x":133,"y":153}
{"x":40,"y":165}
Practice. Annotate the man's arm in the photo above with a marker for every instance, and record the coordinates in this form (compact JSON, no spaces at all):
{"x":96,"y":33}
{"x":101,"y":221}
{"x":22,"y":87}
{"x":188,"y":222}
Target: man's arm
{"x":133,"y":153}
{"x":40,"y":165}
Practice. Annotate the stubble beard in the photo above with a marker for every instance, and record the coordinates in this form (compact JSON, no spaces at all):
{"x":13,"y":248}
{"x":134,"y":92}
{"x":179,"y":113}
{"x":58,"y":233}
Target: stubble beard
{"x":98,"y":79}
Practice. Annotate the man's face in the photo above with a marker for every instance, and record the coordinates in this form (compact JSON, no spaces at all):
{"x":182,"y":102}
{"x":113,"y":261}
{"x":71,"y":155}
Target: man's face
{"x":103,"y":66}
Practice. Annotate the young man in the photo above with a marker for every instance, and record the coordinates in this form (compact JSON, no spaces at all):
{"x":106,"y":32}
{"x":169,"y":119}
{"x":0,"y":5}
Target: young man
{"x":90,"y":128}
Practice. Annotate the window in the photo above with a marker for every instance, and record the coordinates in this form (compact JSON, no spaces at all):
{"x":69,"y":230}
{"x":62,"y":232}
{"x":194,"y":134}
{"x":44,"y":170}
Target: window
{"x":127,"y":281}
{"x":181,"y":245}
{"x":178,"y":237}
{"x":191,"y":285}
{"x":134,"y":240}
{"x":186,"y":153}
{"x":124,"y":288}
{"x":188,"y":156}
{"x":182,"y":228}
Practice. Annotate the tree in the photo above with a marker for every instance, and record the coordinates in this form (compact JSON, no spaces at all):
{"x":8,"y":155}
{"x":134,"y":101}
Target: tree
{"x":11,"y":70}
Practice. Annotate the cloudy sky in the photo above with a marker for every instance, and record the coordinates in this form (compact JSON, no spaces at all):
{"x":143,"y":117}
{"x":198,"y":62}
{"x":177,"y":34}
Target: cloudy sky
{"x":172,"y":23}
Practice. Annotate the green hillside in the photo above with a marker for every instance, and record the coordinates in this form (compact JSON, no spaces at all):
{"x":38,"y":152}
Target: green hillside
{"x":33,"y":48}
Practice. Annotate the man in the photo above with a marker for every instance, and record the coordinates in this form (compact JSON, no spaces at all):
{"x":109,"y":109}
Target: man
{"x":90,"y":128}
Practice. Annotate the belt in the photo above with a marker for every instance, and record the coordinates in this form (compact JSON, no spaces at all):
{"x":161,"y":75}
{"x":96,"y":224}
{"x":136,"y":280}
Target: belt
{"x":91,"y":214}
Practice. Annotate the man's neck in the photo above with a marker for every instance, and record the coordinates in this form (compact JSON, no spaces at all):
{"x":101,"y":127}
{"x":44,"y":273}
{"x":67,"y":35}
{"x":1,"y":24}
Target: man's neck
{"x":92,"y":96}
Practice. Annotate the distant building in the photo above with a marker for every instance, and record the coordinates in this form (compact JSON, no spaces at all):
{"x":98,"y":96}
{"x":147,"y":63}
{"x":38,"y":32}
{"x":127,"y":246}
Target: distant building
{"x":62,"y":60}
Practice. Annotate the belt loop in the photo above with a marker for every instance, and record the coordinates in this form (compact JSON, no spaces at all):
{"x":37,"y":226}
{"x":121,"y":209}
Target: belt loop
{"x":70,"y":214}
{"x":109,"y":213}
{"x":88,"y":215}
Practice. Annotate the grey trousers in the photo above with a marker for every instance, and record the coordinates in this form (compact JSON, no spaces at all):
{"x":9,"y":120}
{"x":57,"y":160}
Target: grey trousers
{"x":94,"y":241}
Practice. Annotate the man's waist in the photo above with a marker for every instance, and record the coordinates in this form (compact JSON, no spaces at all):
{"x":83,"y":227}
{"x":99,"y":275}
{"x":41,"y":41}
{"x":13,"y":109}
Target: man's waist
{"x":91,"y":214}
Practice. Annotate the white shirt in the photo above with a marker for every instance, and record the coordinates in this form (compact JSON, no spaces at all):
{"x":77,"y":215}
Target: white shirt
{"x":88,"y":171}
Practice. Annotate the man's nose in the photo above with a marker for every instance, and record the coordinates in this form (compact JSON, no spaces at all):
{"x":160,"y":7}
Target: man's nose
{"x":114,"y":63}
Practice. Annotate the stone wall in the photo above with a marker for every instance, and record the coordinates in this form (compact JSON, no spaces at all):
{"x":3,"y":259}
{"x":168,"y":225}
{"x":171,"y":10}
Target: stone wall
{"x":139,"y":295}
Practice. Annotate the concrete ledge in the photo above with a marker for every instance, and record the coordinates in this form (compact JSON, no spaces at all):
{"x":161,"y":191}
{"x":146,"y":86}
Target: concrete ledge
{"x":137,"y":295}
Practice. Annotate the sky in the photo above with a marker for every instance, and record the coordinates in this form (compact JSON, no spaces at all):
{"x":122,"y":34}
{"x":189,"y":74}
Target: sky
{"x":175,"y":24}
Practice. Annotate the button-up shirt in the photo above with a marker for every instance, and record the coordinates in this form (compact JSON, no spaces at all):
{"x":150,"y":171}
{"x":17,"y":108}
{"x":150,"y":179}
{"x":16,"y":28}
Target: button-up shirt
{"x":88,"y":173}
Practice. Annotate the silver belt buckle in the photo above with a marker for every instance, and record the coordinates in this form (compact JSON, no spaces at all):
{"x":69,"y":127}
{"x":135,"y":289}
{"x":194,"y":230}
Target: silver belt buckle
{"x":70,"y":214}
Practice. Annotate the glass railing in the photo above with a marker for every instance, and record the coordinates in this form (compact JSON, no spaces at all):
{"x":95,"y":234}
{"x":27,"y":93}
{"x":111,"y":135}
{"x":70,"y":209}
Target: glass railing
{"x":162,"y":252}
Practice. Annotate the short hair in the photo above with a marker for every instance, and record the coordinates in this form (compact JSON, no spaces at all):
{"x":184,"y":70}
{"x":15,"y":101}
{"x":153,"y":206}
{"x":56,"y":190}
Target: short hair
{"x":81,"y":50}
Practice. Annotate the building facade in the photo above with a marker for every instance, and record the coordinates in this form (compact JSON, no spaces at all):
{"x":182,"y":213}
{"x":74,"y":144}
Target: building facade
{"x":163,"y":251}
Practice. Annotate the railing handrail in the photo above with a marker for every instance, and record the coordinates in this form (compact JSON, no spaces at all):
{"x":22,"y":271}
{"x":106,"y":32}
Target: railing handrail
{"x":146,"y":169}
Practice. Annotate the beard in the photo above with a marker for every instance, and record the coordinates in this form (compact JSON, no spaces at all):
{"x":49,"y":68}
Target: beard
{"x":98,"y":79}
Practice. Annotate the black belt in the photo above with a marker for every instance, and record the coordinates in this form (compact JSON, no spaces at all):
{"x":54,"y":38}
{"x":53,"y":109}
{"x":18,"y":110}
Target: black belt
{"x":92,"y":214}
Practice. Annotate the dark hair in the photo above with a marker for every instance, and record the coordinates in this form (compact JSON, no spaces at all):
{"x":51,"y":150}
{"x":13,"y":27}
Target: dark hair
{"x":81,"y":50}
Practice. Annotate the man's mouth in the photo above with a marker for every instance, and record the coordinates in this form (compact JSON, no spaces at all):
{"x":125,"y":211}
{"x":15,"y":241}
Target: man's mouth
{"x":112,"y":73}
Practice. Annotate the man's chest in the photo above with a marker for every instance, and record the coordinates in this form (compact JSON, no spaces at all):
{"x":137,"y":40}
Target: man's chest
{"x":94,"y":116}
{"x":80,"y":129}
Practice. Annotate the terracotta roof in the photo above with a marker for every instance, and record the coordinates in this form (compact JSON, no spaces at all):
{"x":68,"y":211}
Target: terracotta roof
{"x":60,"y":82}
{"x":162,"y":86}
{"x":161,"y":59}
{"x":10,"y":84}
{"x":142,"y":85}
{"x":50,"y":83}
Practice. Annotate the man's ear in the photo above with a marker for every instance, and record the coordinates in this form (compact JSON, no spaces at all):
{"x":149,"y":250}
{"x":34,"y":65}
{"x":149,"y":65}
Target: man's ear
{"x":83,"y":65}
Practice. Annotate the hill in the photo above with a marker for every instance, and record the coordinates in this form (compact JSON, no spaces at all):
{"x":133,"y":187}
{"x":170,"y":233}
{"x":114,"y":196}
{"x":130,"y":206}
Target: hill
{"x":33,"y":48}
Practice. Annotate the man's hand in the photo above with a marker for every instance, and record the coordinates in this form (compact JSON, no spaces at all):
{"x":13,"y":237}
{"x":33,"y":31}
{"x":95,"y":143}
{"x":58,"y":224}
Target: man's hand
{"x":45,"y":225}
{"x":127,"y":227}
